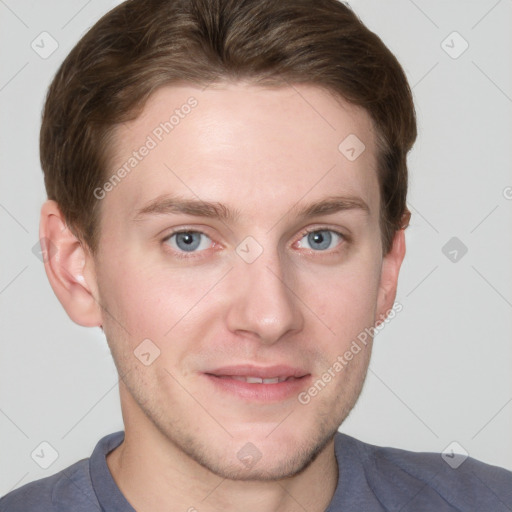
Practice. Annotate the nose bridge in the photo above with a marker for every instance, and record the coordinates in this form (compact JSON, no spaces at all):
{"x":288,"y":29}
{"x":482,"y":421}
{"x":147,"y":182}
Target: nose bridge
{"x":263,"y":301}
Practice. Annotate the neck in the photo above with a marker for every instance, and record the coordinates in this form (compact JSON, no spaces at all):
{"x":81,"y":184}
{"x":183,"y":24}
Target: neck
{"x":155,"y":475}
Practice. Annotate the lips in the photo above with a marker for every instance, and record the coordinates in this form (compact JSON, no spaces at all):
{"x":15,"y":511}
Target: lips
{"x":259,"y":374}
{"x":262,"y":384}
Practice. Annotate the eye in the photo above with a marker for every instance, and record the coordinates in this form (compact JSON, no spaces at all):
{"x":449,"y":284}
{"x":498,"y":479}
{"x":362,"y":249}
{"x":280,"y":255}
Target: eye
{"x":188,"y":241}
{"x":321,"y":239}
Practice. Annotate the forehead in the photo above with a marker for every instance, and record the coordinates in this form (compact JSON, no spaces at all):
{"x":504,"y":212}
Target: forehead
{"x":260,"y":150}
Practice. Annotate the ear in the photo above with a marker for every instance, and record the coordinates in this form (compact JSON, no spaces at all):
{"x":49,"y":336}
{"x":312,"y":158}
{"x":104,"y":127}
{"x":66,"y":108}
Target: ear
{"x":390,"y":269}
{"x":69,"y":267}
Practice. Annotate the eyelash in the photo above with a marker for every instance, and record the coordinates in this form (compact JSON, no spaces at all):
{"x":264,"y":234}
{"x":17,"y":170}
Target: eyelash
{"x":344,"y":238}
{"x":185,"y":255}
{"x":182,"y":254}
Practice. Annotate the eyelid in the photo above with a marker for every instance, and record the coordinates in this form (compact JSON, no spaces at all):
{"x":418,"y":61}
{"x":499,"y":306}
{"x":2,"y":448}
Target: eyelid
{"x":306,"y":231}
{"x":185,"y":229}
{"x":185,"y":254}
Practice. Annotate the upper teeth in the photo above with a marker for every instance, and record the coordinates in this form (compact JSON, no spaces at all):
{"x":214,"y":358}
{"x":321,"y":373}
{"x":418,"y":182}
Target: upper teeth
{"x":258,"y":380}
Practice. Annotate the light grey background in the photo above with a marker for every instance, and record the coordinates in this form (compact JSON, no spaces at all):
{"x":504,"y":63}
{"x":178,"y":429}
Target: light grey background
{"x":441,"y":370}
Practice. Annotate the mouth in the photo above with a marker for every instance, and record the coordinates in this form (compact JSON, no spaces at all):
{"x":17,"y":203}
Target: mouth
{"x":255,"y":380}
{"x":263,"y":384}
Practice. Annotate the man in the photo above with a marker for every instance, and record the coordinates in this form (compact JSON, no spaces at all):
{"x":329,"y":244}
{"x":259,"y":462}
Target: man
{"x":227,"y":199}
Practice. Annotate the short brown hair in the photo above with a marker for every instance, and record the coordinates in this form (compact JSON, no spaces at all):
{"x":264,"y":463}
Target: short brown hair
{"x":142,"y":45}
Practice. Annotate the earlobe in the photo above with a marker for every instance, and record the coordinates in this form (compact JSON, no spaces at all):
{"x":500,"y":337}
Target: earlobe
{"x":66,"y":262}
{"x":389,"y":275}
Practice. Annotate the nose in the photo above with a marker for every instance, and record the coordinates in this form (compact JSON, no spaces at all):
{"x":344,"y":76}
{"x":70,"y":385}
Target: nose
{"x":263,"y":304}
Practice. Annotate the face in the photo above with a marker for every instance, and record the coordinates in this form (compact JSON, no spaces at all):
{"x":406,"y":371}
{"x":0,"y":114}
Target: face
{"x":240,"y":256}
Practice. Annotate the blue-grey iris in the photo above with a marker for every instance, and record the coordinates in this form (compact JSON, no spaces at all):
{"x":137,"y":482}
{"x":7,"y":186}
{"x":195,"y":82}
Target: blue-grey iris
{"x":188,"y":241}
{"x":322,"y":238}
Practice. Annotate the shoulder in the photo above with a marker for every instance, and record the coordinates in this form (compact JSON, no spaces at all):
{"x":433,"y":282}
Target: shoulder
{"x":69,"y":489}
{"x":73,"y":488}
{"x":417,"y":481}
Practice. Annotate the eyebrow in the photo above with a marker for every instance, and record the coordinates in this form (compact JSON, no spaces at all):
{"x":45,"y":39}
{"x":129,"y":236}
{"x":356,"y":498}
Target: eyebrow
{"x":165,"y":205}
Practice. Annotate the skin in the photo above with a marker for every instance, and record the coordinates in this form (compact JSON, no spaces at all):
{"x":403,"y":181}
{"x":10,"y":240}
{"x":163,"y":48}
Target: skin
{"x":263,"y":153}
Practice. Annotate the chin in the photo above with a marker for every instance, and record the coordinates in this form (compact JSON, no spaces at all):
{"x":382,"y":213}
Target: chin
{"x":274,"y":466}
{"x":262,"y":455}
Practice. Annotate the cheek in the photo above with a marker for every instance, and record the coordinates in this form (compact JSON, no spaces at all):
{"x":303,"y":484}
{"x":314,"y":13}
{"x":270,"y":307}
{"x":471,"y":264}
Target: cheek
{"x":153,"y":300}
{"x":345,"y":298}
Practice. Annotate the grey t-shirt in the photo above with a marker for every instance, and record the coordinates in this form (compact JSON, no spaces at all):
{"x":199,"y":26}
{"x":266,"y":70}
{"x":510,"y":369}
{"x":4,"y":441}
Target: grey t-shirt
{"x":371,"y":479}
